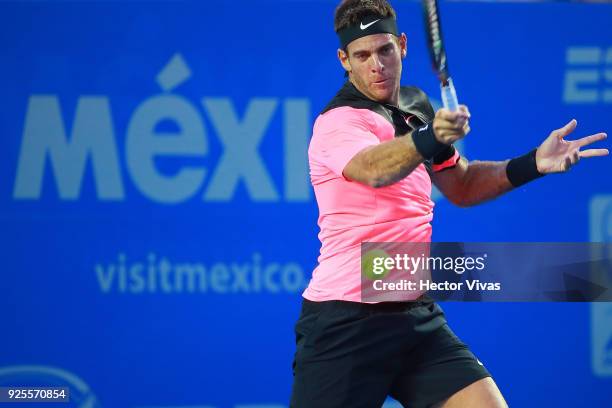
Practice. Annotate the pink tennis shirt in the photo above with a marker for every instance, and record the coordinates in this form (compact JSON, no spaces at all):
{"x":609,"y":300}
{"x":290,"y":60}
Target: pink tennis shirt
{"x":350,"y":212}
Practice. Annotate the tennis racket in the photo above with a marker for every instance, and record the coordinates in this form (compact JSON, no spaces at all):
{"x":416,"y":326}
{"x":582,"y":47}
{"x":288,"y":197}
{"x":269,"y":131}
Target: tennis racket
{"x":435,"y":44}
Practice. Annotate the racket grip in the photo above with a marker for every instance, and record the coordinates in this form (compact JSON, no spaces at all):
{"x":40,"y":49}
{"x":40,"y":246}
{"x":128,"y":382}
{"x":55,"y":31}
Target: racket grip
{"x":449,"y":96}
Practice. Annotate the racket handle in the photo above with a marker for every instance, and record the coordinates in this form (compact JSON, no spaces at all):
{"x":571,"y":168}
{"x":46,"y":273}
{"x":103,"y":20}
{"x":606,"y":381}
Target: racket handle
{"x":449,"y":96}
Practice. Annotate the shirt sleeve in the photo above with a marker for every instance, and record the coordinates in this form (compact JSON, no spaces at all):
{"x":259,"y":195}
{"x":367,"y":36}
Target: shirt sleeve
{"x":338,"y":136}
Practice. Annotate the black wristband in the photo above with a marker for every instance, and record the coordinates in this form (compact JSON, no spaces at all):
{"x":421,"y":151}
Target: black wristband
{"x":444,"y":155}
{"x":426,"y":143}
{"x":523,"y":169}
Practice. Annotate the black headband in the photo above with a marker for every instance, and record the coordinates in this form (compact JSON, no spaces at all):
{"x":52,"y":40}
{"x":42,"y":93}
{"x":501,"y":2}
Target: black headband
{"x":369,"y":25}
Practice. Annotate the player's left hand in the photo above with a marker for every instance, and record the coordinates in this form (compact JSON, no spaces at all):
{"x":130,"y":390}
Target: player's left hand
{"x":556,"y":155}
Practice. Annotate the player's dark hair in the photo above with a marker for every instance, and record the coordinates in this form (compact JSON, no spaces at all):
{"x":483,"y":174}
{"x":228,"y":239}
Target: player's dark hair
{"x":351,"y":12}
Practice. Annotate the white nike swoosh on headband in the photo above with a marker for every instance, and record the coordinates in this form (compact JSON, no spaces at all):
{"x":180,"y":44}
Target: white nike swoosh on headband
{"x":363,"y":27}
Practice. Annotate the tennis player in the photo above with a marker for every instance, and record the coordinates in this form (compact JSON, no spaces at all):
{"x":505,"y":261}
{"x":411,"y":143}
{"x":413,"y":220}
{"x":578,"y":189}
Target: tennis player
{"x":375,"y":151}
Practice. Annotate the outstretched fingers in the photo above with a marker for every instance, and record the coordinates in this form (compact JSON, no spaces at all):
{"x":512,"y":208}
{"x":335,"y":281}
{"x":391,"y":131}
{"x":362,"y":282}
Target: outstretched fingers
{"x":590,"y":139}
{"x":587,"y":140}
{"x":594,"y":153}
{"x":567,"y":129}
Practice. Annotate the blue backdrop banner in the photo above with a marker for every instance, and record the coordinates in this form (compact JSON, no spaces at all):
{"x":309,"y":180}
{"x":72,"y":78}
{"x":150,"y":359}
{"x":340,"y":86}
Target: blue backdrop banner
{"x":157,"y":221}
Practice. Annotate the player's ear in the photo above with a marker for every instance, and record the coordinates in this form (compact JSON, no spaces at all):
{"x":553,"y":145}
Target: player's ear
{"x":344,"y":60}
{"x":403,"y":44}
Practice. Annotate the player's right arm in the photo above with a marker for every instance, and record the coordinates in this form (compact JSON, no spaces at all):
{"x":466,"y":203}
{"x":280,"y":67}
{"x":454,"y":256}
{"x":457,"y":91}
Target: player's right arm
{"x":390,"y":161}
{"x":385,"y":163}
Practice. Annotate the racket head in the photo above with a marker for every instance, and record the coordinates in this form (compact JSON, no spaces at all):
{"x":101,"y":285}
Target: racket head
{"x":435,"y":42}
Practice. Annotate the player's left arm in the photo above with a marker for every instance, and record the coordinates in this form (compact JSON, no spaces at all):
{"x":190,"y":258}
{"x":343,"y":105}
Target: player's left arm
{"x":471,"y":183}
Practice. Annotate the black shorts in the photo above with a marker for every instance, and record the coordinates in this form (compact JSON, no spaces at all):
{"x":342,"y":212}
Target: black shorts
{"x":353,"y":355}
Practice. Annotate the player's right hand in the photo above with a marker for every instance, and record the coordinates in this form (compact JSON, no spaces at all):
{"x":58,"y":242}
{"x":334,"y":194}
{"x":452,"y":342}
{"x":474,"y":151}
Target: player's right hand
{"x":450,"y":126}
